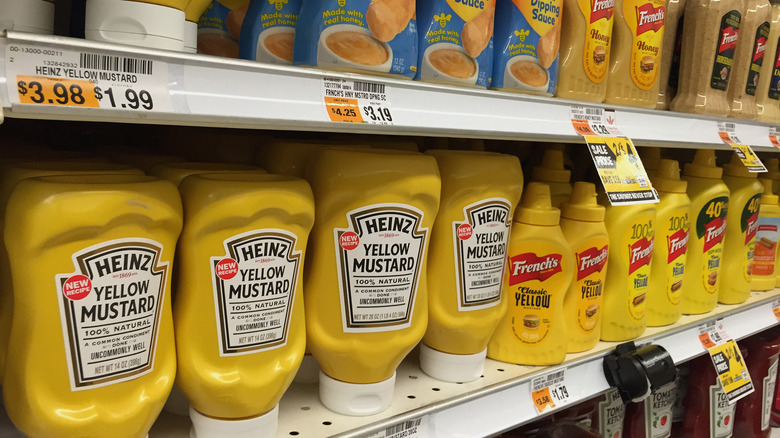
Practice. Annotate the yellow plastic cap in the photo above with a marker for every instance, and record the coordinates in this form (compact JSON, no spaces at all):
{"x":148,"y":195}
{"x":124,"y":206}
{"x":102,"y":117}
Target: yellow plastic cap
{"x":773,"y":168}
{"x":551,"y":170}
{"x":703,"y":165}
{"x":767,"y":197}
{"x":536,"y":207}
{"x":651,"y":158}
{"x":583,"y":204}
{"x":667,"y":177}
{"x":736,"y":168}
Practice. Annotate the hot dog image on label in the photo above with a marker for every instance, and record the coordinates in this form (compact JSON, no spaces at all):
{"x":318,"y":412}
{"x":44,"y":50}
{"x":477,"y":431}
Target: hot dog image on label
{"x":677,"y":238}
{"x":527,"y":277}
{"x":591,"y":272}
{"x":379,"y":258}
{"x":711,"y":227}
{"x":110,"y":309}
{"x":254,"y":290}
{"x":646,"y":21}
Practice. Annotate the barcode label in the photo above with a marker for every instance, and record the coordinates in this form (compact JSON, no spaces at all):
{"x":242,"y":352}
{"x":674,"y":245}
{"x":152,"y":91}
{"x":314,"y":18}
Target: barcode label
{"x":369,"y":87}
{"x":402,"y":427}
{"x":593,"y":111}
{"x":117,"y":64}
{"x":548,"y":380}
{"x":416,"y":428}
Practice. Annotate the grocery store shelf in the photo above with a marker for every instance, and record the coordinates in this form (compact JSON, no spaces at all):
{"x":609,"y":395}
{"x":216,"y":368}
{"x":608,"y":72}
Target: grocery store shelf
{"x":211,"y":91}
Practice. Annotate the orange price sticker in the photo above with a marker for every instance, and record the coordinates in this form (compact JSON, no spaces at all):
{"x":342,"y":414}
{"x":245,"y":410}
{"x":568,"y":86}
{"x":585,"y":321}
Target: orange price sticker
{"x":542,"y":399}
{"x":706,"y":341}
{"x":776,"y":310}
{"x":343,"y":110}
{"x":582,"y":127}
{"x":41,"y":90}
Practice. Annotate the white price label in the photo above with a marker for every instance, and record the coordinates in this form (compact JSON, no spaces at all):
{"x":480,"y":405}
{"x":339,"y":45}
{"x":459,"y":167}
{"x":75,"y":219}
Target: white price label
{"x":353,"y":101}
{"x":549,"y":391}
{"x":416,"y":428}
{"x":74,"y":79}
{"x":727,"y":133}
{"x":594,"y":121}
{"x":774,"y":136}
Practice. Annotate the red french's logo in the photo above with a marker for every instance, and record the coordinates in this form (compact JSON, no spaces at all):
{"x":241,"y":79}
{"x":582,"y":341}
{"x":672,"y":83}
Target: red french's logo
{"x":777,"y":59}
{"x":767,"y":227}
{"x":649,"y":18}
{"x":752,"y":227}
{"x":640,"y":253}
{"x":760,"y":49}
{"x":713,"y":233}
{"x":590,"y":261}
{"x":529,"y":266}
{"x":601,"y":9}
{"x":677,"y":244}
{"x":728,"y":39}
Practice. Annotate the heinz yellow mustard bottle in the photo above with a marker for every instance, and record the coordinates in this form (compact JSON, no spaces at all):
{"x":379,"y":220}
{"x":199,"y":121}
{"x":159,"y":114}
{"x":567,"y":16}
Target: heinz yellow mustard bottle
{"x":766,"y":263}
{"x":582,"y":223}
{"x":366,"y":282}
{"x":631,"y":240}
{"x":709,"y":207}
{"x":238,"y":313}
{"x":92,"y":351}
{"x":469,"y":246}
{"x":176,"y":172}
{"x":533,"y":330}
{"x":740,"y":239}
{"x":672,"y":225}
{"x":552,"y":172}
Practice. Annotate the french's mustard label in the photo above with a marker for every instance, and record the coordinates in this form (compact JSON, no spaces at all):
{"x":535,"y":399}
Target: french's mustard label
{"x":765,"y":253}
{"x":380,"y":258}
{"x":533,"y":279}
{"x":721,"y":413}
{"x":646,"y":21}
{"x":727,"y":45}
{"x":749,"y":226}
{"x":598,"y":36}
{"x":480,"y":243}
{"x":591,"y":272}
{"x":254,"y":288}
{"x":710,"y":228}
{"x":677,"y":236}
{"x":640,"y":240}
{"x":110,"y":310}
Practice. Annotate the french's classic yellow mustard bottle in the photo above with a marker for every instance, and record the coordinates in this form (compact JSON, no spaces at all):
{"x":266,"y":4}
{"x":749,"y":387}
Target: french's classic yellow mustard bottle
{"x":92,"y":351}
{"x":552,"y":172}
{"x":766,"y":263}
{"x":533,"y":330}
{"x":672,"y":224}
{"x":366,"y":281}
{"x":709,"y":208}
{"x":469,"y":246}
{"x":582,"y":223}
{"x":238,"y":313}
{"x":741,"y":228}
{"x":631,"y":240}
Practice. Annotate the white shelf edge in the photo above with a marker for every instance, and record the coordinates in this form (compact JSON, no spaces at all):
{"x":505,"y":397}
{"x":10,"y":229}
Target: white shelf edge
{"x":212,"y":91}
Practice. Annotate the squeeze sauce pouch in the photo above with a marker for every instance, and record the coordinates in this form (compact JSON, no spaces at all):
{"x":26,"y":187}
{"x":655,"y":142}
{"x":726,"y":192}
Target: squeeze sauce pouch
{"x":219,"y":28}
{"x":268,"y":31}
{"x":360,"y":35}
{"x":456,"y":41}
{"x":528,"y":34}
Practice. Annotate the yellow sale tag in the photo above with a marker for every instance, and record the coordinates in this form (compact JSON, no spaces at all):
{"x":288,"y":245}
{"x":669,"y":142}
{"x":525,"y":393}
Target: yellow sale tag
{"x":56,"y":91}
{"x":621,"y":171}
{"x":749,"y":158}
{"x":727,"y":360}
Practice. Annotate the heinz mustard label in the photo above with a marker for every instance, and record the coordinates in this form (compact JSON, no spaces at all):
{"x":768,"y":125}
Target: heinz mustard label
{"x":640,"y":241}
{"x":254,"y":288}
{"x":710,"y":228}
{"x":534,"y":278}
{"x":727,"y":43}
{"x":591,"y":260}
{"x":759,"y":50}
{"x":658,"y":412}
{"x":721,"y":413}
{"x":480,"y":244}
{"x":646,"y":21}
{"x":765,"y":252}
{"x":677,"y":235}
{"x":380,"y":258}
{"x":110,"y":309}
{"x":598,"y":35}
{"x":612,"y":412}
{"x":748,"y":224}
{"x":774,"y":83}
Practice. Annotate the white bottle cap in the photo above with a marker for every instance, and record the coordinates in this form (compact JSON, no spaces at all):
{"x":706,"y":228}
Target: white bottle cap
{"x":190,"y":37}
{"x":452,"y":367}
{"x":177,"y":403}
{"x":207,"y":427}
{"x":35,"y":16}
{"x":135,"y":23}
{"x":356,"y":399}
{"x":309,"y":371}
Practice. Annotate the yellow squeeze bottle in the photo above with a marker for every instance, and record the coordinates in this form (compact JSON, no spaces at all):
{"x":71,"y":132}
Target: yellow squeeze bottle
{"x":551,"y":171}
{"x":631,"y":240}
{"x":92,"y":351}
{"x":766,"y":263}
{"x":709,"y":207}
{"x":582,"y":223}
{"x":176,"y":172}
{"x":541,"y":266}
{"x":469,"y":244}
{"x":366,"y":295}
{"x":740,"y":239}
{"x":672,"y":223}
{"x":238,"y":313}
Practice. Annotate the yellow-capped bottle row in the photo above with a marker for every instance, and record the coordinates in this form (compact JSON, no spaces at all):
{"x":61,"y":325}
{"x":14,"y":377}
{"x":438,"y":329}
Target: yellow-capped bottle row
{"x":126,"y":275}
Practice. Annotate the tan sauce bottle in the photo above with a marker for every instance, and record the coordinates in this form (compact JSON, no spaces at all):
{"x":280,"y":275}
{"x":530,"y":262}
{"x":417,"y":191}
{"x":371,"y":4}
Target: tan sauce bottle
{"x":674,"y":14}
{"x":636,"y":52}
{"x":748,"y":59}
{"x":768,"y":90}
{"x":709,"y":41}
{"x":585,"y":45}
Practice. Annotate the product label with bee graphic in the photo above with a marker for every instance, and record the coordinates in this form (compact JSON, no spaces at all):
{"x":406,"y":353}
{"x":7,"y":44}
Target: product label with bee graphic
{"x":219,"y":28}
{"x":710,"y":229}
{"x":677,"y":235}
{"x":268,"y":31}
{"x":749,"y":226}
{"x":591,"y":260}
{"x":639,"y":241}
{"x":765,"y":253}
{"x":598,"y":35}
{"x":646,"y":21}
{"x":726,"y":45}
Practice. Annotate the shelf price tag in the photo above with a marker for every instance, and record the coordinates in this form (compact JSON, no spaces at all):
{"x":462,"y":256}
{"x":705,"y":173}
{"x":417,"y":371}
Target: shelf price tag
{"x":727,"y":360}
{"x":774,"y":136}
{"x":727,"y":133}
{"x":617,"y":162}
{"x":549,"y":392}
{"x":417,"y":428}
{"x":74,"y":79}
{"x":354,"y":101}
{"x":776,"y":308}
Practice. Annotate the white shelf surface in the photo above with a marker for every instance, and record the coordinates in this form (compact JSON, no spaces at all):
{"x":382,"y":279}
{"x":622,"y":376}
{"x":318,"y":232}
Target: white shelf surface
{"x":212,"y":91}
